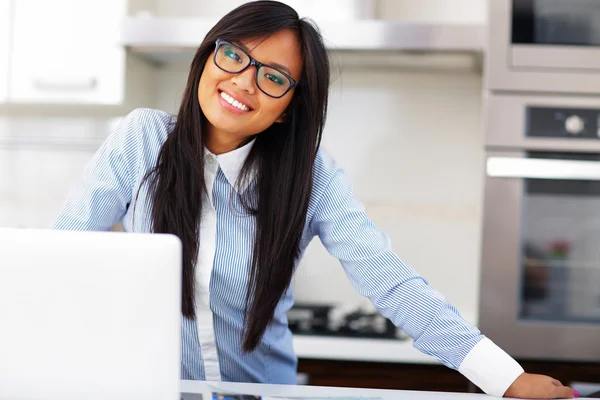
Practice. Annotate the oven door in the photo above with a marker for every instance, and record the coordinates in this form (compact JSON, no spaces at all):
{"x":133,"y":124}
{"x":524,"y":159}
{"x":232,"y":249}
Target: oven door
{"x":540,"y":278}
{"x":544,"y":45}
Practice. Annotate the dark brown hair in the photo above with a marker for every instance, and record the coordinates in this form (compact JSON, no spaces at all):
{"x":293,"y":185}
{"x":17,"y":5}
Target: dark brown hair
{"x":283,"y":156}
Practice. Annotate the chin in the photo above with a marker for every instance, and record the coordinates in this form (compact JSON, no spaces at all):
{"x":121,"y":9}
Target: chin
{"x":229,"y":129}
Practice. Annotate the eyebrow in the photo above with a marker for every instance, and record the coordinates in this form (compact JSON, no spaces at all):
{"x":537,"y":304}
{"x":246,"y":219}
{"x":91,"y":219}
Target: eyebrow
{"x":275,"y":65}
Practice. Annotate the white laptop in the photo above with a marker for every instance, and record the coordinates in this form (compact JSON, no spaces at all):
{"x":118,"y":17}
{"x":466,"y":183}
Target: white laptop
{"x":89,"y":315}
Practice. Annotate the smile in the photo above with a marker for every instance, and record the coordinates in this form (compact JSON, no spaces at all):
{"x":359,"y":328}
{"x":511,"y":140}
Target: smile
{"x":233,"y":102}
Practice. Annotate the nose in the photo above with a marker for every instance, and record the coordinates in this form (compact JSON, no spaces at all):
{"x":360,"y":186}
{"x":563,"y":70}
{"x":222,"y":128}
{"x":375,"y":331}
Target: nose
{"x":245,"y":80}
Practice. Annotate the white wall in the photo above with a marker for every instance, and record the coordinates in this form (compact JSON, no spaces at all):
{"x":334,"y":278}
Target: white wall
{"x":41,"y":159}
{"x":412,"y":144}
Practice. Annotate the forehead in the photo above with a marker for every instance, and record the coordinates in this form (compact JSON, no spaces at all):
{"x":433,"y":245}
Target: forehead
{"x":282,"y":48}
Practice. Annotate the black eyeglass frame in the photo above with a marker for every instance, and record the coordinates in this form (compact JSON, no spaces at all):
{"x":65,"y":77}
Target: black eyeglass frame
{"x":255,"y":63}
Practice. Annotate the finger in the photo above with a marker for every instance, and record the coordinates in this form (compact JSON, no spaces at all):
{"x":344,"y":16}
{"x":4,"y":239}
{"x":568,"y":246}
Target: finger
{"x":556,"y":382}
{"x":563,"y":392}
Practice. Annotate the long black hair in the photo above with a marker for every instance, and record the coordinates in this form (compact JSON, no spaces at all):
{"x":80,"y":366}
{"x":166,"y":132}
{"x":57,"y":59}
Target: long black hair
{"x":282,"y":155}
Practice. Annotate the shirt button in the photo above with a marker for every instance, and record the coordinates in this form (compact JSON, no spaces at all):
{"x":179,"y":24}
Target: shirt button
{"x":210,"y":160}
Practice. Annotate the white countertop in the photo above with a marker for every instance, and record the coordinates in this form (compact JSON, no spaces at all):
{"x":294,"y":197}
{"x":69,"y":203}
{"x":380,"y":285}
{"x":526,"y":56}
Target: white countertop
{"x":355,"y":349}
{"x":290,"y":391}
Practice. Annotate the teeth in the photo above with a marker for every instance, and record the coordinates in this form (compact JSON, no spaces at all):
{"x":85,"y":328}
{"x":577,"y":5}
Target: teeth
{"x":233,"y":102}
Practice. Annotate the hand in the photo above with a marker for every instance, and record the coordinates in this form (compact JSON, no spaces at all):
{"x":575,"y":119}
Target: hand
{"x":532,"y":386}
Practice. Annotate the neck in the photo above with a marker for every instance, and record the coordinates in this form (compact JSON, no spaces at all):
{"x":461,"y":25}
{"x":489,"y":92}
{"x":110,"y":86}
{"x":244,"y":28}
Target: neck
{"x":221,"y":142}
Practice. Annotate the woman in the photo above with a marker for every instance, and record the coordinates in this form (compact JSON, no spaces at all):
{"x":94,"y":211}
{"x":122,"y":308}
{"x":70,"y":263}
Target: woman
{"x":238,"y":176}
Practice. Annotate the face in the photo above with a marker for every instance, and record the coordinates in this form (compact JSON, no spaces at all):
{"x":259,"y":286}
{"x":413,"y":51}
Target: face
{"x":229,"y":126}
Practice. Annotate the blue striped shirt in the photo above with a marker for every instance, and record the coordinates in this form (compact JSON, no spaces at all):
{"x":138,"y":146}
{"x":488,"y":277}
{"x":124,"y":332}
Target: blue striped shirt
{"x":109,"y":188}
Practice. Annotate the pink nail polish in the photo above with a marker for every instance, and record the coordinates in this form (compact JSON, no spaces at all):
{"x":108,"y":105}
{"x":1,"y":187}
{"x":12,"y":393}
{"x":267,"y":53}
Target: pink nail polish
{"x":575,"y":393}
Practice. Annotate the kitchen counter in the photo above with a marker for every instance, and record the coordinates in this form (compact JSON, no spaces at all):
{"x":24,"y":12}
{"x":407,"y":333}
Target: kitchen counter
{"x":340,"y":348}
{"x":289,"y":391}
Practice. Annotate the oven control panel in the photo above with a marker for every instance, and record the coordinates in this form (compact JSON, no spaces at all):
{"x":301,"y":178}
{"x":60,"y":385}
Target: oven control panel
{"x":551,"y":122}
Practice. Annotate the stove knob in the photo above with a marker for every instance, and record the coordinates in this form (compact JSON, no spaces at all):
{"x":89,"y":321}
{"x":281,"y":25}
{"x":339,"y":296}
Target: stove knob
{"x":574,"y":125}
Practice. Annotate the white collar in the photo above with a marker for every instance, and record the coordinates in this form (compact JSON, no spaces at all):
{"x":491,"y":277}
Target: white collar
{"x":231,"y":164}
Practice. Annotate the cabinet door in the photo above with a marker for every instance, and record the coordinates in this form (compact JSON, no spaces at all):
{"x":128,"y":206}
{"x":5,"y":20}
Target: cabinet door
{"x":5,"y":29}
{"x":67,"y":51}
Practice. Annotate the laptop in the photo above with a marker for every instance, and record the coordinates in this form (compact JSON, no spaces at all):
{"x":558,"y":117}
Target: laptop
{"x":89,"y":315}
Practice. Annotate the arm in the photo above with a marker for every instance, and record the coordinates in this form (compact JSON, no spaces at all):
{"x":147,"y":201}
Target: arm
{"x":101,"y":197}
{"x":402,"y":296}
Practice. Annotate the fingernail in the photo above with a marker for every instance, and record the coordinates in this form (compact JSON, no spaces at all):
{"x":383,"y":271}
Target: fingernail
{"x":575,"y":393}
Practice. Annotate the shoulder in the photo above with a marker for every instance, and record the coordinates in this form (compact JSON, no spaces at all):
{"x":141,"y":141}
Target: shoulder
{"x":138,"y":138}
{"x":326,"y":169}
{"x":332,"y":192}
{"x":142,"y":133}
{"x":146,"y":124}
{"x":329,"y":177}
{"x":149,"y":117}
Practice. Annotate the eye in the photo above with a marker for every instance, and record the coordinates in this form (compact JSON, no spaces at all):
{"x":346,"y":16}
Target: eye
{"x":231,"y":53}
{"x":278,"y":80}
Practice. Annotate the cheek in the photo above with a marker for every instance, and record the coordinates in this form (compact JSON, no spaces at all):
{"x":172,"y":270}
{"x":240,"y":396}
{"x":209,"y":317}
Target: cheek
{"x":202,"y":89}
{"x":203,"y":96}
{"x":209,"y":79}
{"x":206,"y":88}
{"x":273,"y":108}
{"x":204,"y":84}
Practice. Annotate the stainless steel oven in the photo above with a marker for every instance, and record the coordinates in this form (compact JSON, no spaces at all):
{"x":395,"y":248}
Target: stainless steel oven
{"x":544,"y":46}
{"x":540,"y":277}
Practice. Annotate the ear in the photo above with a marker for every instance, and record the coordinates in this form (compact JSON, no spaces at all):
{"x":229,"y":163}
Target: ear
{"x":281,"y":118}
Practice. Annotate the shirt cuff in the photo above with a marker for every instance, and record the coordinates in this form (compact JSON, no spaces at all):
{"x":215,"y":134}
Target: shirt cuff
{"x":490,"y":368}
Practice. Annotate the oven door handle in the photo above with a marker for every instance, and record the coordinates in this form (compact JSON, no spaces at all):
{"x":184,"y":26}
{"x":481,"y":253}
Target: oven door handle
{"x":540,"y":168}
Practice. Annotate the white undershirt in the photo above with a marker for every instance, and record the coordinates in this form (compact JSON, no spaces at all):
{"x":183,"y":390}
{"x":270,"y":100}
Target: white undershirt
{"x":230,"y":164}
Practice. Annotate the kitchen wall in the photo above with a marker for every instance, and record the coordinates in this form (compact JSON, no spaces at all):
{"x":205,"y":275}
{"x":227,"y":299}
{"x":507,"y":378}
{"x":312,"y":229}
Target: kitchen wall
{"x":412,"y":144}
{"x":410,"y":139}
{"x":41,"y":158}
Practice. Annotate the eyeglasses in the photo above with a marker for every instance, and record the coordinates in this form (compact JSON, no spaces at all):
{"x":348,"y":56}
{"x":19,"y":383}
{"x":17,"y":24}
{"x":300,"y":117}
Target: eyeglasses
{"x":234,"y":60}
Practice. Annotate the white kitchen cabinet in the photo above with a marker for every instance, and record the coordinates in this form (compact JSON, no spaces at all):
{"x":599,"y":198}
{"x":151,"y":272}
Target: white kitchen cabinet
{"x":67,"y":51}
{"x":5,"y":31}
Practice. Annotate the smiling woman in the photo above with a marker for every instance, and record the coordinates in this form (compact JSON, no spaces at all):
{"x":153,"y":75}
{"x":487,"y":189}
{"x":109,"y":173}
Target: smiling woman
{"x":239,"y":177}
